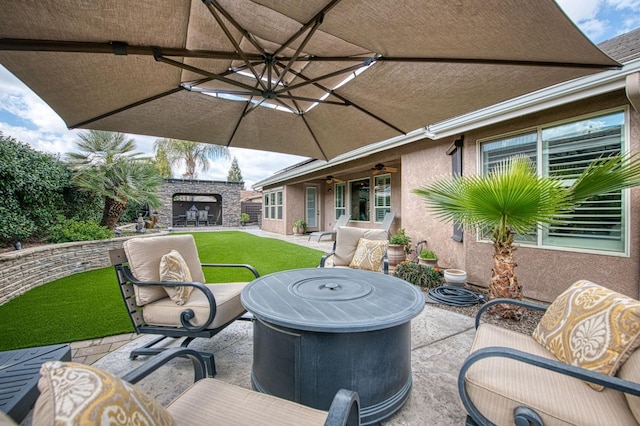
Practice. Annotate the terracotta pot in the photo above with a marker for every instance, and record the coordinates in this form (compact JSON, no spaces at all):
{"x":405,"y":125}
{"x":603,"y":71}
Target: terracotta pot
{"x":396,"y":254}
{"x":432,"y":263}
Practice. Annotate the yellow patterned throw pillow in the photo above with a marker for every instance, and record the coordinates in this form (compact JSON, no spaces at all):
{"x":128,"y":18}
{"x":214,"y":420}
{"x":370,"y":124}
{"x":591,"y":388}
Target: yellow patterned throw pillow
{"x":369,"y":255}
{"x":173,"y":268}
{"x":78,"y":394}
{"x":592,"y":327}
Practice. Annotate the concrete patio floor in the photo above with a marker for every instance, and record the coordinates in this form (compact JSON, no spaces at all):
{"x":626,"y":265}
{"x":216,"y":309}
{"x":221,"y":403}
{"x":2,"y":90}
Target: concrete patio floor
{"x":440,"y":343}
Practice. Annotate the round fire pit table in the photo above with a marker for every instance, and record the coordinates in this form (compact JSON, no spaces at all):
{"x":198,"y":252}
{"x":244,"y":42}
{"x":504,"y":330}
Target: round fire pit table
{"x":322,"y":329}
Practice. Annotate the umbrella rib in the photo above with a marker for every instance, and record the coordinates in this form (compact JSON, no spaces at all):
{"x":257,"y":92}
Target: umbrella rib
{"x":299,"y":50}
{"x":214,"y":8}
{"x":115,"y":47}
{"x":126,"y":107}
{"x":325,"y":76}
{"x":313,"y":135}
{"x":359,"y":108}
{"x":160,"y":58}
{"x":478,"y":61}
{"x":321,"y":101}
{"x":235,"y":129}
{"x":319,"y":16}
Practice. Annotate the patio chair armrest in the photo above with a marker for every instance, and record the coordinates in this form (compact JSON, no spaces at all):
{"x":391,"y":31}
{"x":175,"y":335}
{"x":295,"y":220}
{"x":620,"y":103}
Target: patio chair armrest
{"x":324,"y":258}
{"x":344,"y":409}
{"x":505,"y":301}
{"x":139,"y":373}
{"x":187,"y":315}
{"x":612,"y":382}
{"x":253,"y":270}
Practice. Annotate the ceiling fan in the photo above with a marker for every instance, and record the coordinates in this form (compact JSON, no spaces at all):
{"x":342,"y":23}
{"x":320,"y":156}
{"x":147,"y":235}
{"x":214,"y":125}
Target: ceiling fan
{"x":331,"y":180}
{"x":381,"y":168}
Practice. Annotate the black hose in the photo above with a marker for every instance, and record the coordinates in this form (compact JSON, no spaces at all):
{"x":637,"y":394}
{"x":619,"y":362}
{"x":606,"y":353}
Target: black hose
{"x":455,"y":296}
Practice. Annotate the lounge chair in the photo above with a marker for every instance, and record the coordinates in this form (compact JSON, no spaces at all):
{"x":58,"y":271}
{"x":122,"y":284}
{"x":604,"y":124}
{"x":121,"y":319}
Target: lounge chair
{"x":73,"y":393}
{"x":556,"y":375}
{"x":342,"y":221}
{"x":387,"y":221}
{"x":181,"y":305}
{"x":358,"y":248}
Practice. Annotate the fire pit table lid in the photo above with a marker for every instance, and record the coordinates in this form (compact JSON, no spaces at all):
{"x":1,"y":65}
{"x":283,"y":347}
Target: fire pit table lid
{"x":332,"y":300}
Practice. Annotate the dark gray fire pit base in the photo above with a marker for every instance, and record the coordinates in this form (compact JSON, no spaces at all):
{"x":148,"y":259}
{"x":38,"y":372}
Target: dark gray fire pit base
{"x":310,"y":367}
{"x":319,"y":330}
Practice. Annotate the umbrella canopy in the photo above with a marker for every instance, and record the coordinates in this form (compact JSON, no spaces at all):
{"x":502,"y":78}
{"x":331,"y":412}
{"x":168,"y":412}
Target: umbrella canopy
{"x":270,"y":74}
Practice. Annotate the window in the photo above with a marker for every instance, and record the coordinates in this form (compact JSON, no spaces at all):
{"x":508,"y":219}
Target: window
{"x":273,"y":205}
{"x":564,"y":151}
{"x":382,"y":203}
{"x":359,"y":199}
{"x":340,"y":199}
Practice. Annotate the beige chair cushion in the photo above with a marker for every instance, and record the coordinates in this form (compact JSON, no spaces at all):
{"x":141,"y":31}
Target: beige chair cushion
{"x":173,"y":268}
{"x":213,"y":402}
{"x":630,"y":370}
{"x":78,"y":394}
{"x":498,"y":385}
{"x":347,"y":241}
{"x":166,"y":313}
{"x":591,"y":327}
{"x":144,"y":255}
{"x":369,"y":255}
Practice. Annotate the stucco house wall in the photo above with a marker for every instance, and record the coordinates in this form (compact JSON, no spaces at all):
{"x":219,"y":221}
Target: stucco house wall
{"x":543,"y":272}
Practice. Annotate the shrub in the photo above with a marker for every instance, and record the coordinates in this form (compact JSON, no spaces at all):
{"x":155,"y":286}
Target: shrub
{"x":422,"y":276}
{"x":244,"y":217}
{"x":76,"y":230}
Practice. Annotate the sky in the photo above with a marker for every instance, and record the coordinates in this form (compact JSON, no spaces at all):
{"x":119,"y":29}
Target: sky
{"x":25,"y":117}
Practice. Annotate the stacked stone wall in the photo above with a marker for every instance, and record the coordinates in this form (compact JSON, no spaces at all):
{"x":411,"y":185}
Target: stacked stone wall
{"x":22,"y":270}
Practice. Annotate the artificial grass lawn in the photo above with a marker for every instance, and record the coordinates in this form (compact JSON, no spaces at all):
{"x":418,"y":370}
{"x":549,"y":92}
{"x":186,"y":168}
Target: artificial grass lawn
{"x":88,"y":305}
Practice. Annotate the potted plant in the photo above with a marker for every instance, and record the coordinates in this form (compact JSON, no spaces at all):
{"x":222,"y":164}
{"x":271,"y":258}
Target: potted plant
{"x":244,"y":218}
{"x":399,"y":247}
{"x":428,"y":258}
{"x":299,"y":227}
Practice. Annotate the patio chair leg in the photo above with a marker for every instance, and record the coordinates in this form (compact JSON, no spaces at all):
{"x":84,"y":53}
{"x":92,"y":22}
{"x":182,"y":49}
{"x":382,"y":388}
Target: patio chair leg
{"x":147,"y":349}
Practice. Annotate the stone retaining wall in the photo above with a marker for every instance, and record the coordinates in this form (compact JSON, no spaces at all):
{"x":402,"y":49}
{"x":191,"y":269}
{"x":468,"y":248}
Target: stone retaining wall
{"x":22,"y":270}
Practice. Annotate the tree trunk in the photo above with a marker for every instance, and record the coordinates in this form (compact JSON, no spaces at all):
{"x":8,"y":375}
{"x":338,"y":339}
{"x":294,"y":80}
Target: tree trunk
{"x":504,"y":282}
{"x":113,"y":209}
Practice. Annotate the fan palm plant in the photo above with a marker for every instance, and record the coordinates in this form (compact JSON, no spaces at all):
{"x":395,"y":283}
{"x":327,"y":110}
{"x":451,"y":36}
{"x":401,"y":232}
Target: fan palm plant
{"x":512,"y":199}
{"x":106,"y":165}
{"x":193,"y":154}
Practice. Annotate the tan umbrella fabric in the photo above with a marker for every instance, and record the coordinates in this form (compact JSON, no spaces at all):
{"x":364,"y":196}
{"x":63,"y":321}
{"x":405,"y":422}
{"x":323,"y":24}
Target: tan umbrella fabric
{"x":151,"y":66}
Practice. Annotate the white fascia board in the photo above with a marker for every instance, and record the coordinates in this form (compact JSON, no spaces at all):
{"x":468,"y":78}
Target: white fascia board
{"x":560,"y":94}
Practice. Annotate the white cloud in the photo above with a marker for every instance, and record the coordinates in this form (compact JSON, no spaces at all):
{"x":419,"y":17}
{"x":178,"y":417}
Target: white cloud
{"x":580,"y":10}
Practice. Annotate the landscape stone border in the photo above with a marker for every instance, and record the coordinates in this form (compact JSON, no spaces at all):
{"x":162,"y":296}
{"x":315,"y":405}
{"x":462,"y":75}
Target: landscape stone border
{"x":22,"y":270}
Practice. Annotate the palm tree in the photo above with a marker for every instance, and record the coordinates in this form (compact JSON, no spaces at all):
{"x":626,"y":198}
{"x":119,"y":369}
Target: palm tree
{"x":512,"y":199}
{"x":107,"y":166}
{"x":193,"y":154}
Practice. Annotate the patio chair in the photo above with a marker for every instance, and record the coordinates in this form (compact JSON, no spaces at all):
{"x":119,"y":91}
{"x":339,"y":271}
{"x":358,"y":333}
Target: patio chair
{"x":556,"y":375}
{"x":203,"y":218}
{"x":359,"y":248}
{"x":342,"y":221}
{"x":165,"y":293}
{"x":191,"y":216}
{"x":73,"y":393}
{"x":387,"y":221}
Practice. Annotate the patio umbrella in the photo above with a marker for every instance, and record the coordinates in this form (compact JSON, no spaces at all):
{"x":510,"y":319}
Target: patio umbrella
{"x":270,"y":75}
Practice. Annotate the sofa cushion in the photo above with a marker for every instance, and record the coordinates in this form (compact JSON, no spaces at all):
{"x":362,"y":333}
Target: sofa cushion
{"x":173,"y":268}
{"x":630,"y":371}
{"x":72,"y":393}
{"x":591,"y":327}
{"x":144,"y":255}
{"x":347,"y":241}
{"x":165,"y":312}
{"x":498,"y":385}
{"x":369,"y":255}
{"x":210,"y":399}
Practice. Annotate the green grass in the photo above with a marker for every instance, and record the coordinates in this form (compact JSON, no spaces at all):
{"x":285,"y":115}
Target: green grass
{"x":88,"y":305}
